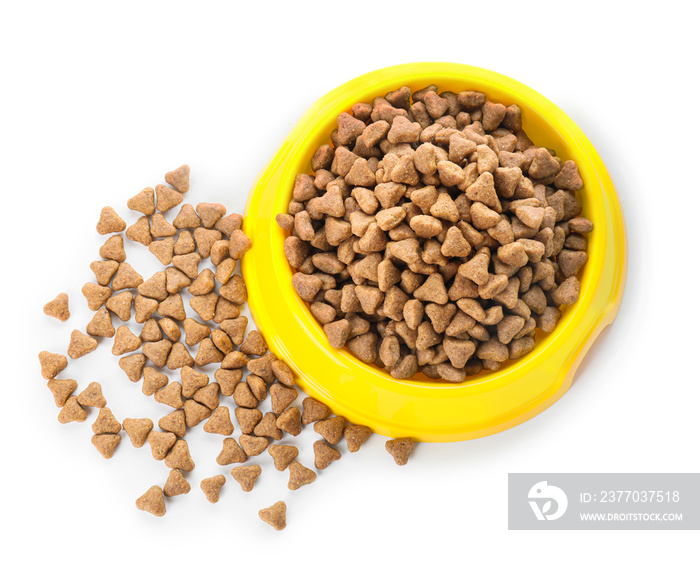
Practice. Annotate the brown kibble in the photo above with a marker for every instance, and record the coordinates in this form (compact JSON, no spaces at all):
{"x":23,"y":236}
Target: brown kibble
{"x":228,"y":380}
{"x":208,"y":353}
{"x":175,"y":280}
{"x":224,"y":270}
{"x":248,"y":418}
{"x":281,"y":396}
{"x":219,"y":422}
{"x":174,"y":422}
{"x":104,"y":270}
{"x":246,"y":476}
{"x":262,"y":367}
{"x":153,"y":381}
{"x":400,"y":449}
{"x":290,"y":421}
{"x":325,"y":455}
{"x":433,"y":290}
{"x":543,"y":164}
{"x":337,"y":333}
{"x":254,"y":344}
{"x":313,"y":411}
{"x":173,"y":307}
{"x":188,"y":264}
{"x":234,"y":290}
{"x":58,"y":307}
{"x":179,"y":178}
{"x":61,"y":390}
{"x":152,"y":501}
{"x":184,"y":244}
{"x":195,"y":412}
{"x":126,"y":277}
{"x":96,"y":295}
{"x":80,"y":344}
{"x":120,"y":304}
{"x":138,"y":430}
{"x":101,"y":324}
{"x":567,"y":292}
{"x":179,"y":357}
{"x":179,"y":457}
{"x":144,"y":308}
{"x":187,"y":218}
{"x":72,"y":412}
{"x":299,"y":476}
{"x":106,"y":423}
{"x":143,"y":202}
{"x":133,"y":366}
{"x":283,"y":373}
{"x":212,"y":487}
{"x":226,"y":310}
{"x":283,"y":455}
{"x":239,"y":244}
{"x":176,"y":484}
{"x":267,"y":427}
{"x":140,"y":232}
{"x":167,"y":198}
{"x":110,"y":222}
{"x":275,"y":515}
{"x":161,"y":443}
{"x":158,"y":352}
{"x":331,"y":429}
{"x":235,"y":360}
{"x":231,"y":453}
{"x":52,"y":364}
{"x":106,"y":443}
{"x":355,"y":436}
{"x":253,"y":445}
{"x":163,"y":249}
{"x":154,"y":287}
{"x":171,"y":394}
{"x":113,"y":248}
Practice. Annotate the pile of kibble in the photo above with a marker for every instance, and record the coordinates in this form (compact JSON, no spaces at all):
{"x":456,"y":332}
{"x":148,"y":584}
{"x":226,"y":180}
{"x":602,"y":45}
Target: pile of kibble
{"x":161,"y":354}
{"x":434,"y":236}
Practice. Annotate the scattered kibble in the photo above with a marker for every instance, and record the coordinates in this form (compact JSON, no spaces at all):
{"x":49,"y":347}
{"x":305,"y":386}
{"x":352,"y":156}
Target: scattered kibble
{"x":58,"y":308}
{"x":275,"y":515}
{"x":400,"y":449}
{"x":152,"y":501}
{"x":246,"y":476}
{"x":299,"y":476}
{"x":212,"y":487}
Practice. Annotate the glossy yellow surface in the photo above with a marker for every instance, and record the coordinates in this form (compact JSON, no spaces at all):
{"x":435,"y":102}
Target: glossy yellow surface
{"x":421,"y":408}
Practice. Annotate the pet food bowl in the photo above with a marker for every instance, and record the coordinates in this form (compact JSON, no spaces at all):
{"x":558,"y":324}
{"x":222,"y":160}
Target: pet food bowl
{"x":424,"y":409}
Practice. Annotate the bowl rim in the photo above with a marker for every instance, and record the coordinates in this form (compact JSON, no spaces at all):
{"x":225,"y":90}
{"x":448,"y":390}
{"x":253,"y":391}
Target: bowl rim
{"x":329,"y":375}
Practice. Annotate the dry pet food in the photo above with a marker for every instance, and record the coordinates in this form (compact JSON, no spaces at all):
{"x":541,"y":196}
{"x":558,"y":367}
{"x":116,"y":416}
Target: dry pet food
{"x":434,"y":236}
{"x":58,"y":308}
{"x":275,"y":515}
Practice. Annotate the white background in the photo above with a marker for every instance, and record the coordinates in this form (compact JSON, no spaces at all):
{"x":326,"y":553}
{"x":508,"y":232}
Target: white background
{"x":100,"y":99}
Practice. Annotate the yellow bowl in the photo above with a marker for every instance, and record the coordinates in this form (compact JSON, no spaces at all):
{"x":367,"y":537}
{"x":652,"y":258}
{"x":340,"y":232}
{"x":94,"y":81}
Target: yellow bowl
{"x":421,"y":408}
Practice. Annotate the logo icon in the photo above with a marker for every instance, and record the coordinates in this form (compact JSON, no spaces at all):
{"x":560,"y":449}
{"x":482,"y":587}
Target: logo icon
{"x":541,"y":498}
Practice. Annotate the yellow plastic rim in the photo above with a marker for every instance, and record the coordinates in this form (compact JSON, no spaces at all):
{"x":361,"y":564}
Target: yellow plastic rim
{"x":420,"y":408}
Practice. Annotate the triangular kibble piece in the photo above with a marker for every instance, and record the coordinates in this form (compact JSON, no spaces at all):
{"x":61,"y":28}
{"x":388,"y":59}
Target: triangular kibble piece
{"x":231,"y":453}
{"x":179,"y":457}
{"x":331,"y":429}
{"x":167,"y":198}
{"x":184,"y":244}
{"x":140,"y":232}
{"x":133,"y":366}
{"x":80,"y":344}
{"x":187,"y":218}
{"x":154,"y":287}
{"x":161,"y":443}
{"x":299,"y":476}
{"x":158,"y":352}
{"x":150,"y":330}
{"x":92,"y":396}
{"x":174,"y":422}
{"x":212,"y":487}
{"x":283,"y":455}
{"x":104,"y":270}
{"x":179,"y":357}
{"x":138,"y":430}
{"x":52,"y":364}
{"x":324,"y":455}
{"x":96,"y":295}
{"x":355,"y":436}
{"x":72,"y":412}
{"x":179,"y":178}
{"x":58,"y":307}
{"x":143,"y":202}
{"x":400,"y":449}
{"x":125,"y":341}
{"x":290,"y":421}
{"x":153,"y":380}
{"x":219,"y":422}
{"x":176,"y":484}
{"x":101,"y":324}
{"x":253,"y":445}
{"x":161,"y":227}
{"x":195,"y":413}
{"x":126,"y":277}
{"x":170,"y":395}
{"x":113,"y":248}
{"x":192,"y":380}
{"x":120,"y":304}
{"x":210,"y":213}
{"x":172,"y":306}
{"x":275,"y":515}
{"x":254,"y":344}
{"x":144,"y":309}
{"x":248,"y":418}
{"x":61,"y":390}
{"x":163,"y":249}
{"x":106,"y":423}
{"x":110,"y":221}
{"x":152,"y":501}
{"x":106,"y":443}
{"x":267,"y":427}
{"x":281,"y":396}
{"x":246,"y":476}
